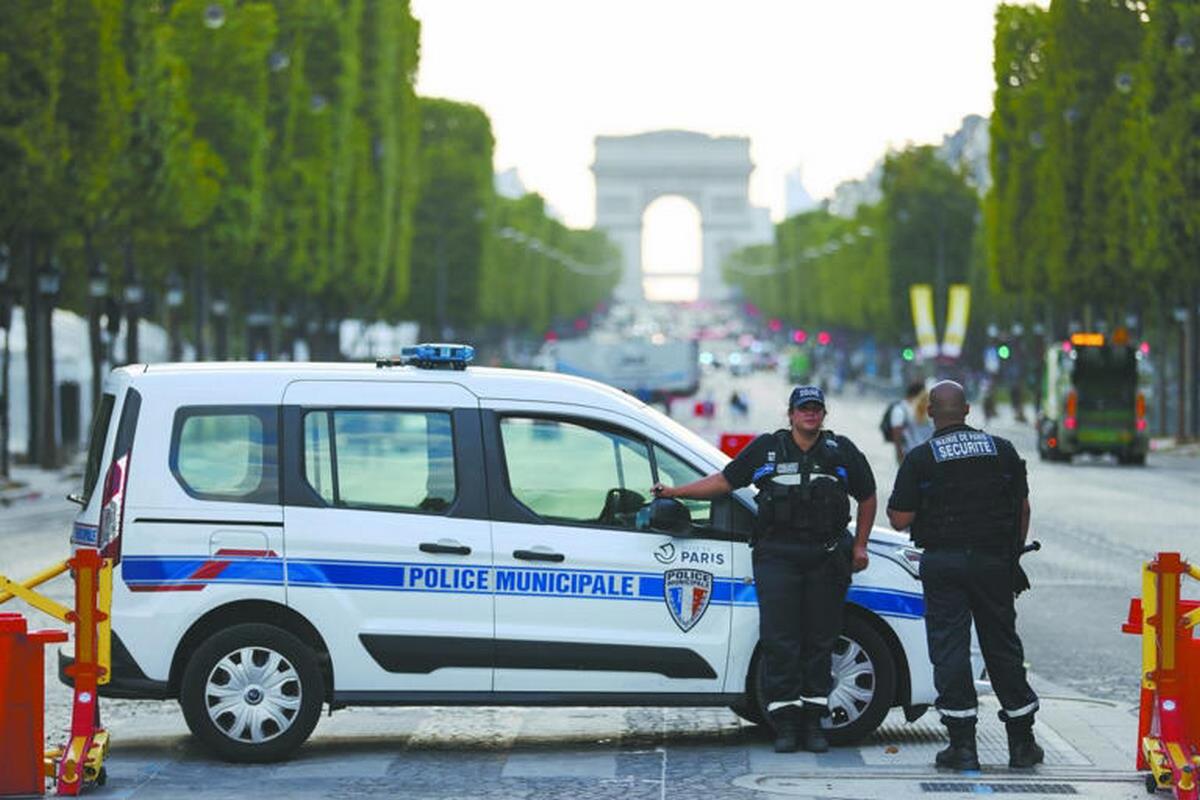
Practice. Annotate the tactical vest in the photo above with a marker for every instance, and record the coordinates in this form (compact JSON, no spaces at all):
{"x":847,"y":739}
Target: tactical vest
{"x":968,"y":499}
{"x":807,"y":498}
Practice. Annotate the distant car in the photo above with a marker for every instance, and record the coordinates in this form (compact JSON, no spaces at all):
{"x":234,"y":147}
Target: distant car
{"x":288,"y":536}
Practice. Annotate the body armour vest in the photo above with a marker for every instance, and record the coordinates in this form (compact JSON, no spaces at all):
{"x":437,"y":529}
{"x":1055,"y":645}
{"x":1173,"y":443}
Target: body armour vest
{"x":805,"y":495}
{"x":969,"y":498}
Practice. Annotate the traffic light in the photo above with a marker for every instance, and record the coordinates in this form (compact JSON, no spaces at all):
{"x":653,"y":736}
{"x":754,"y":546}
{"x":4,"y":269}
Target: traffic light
{"x":1003,"y":351}
{"x":799,"y":336}
{"x":907,"y":354}
{"x":823,"y":338}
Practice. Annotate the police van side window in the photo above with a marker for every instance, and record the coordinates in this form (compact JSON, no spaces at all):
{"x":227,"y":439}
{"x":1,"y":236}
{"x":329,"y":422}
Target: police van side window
{"x":672,"y":471}
{"x":226,"y":453}
{"x":388,"y":460}
{"x":568,"y":472}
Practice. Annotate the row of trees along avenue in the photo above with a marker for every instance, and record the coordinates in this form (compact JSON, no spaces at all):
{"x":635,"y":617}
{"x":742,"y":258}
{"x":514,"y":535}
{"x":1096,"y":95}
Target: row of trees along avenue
{"x":249,"y":174}
{"x":1092,"y":218}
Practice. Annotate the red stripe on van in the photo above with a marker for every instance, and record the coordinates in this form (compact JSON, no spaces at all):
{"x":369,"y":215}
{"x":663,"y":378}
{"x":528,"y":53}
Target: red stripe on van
{"x":178,"y":587}
{"x":235,"y":552}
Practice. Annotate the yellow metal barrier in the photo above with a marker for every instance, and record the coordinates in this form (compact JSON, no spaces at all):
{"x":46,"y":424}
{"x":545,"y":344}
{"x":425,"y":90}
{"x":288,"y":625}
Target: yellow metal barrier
{"x":10,"y":589}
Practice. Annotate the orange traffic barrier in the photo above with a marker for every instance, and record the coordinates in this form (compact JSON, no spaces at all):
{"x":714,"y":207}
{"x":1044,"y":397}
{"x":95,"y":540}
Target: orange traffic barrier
{"x":1169,"y":715}
{"x":22,"y":704}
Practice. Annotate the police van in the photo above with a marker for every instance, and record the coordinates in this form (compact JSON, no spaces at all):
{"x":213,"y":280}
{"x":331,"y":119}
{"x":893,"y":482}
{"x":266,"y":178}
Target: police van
{"x":289,"y":536}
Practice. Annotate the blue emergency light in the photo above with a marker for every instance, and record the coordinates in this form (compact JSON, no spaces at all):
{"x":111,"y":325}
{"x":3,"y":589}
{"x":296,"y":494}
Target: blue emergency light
{"x":431,"y":356}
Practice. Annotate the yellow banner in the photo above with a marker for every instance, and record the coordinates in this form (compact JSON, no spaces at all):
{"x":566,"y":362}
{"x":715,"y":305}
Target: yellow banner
{"x":957,"y":314}
{"x":921,"y":295}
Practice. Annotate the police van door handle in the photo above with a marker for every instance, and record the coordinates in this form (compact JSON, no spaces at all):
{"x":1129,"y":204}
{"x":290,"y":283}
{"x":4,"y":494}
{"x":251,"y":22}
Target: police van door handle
{"x":538,"y":555}
{"x":445,"y":546}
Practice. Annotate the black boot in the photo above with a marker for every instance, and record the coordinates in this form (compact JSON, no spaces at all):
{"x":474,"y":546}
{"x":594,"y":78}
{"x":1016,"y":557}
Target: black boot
{"x":1023,"y":751}
{"x":814,"y":735}
{"x":787,"y":733}
{"x":961,"y":754}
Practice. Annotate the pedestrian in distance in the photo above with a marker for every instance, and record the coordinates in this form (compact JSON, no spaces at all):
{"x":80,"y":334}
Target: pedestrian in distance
{"x":965,"y":497}
{"x":804,"y":556}
{"x":909,"y":419}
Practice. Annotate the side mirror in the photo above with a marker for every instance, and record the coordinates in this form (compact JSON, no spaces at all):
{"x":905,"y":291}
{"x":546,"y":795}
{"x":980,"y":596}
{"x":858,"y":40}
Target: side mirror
{"x":664,"y":515}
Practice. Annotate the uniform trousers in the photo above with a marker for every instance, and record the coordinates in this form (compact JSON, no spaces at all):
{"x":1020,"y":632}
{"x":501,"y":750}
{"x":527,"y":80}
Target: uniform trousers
{"x":961,"y":584}
{"x":801,"y":590}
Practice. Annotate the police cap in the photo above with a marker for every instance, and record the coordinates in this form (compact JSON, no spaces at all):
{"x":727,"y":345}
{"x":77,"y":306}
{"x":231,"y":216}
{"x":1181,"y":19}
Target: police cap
{"x":806,"y":394}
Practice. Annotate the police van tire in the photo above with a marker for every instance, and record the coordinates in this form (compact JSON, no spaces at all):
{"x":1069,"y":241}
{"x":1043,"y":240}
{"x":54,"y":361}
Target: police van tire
{"x":860,"y":639}
{"x":861,"y":634}
{"x":287,"y":687}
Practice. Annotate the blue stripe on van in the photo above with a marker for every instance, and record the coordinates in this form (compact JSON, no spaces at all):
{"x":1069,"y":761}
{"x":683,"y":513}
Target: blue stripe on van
{"x":149,"y":571}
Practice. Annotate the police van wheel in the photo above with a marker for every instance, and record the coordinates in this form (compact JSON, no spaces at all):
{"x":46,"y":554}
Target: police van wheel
{"x":864,"y":671}
{"x":252,"y":693}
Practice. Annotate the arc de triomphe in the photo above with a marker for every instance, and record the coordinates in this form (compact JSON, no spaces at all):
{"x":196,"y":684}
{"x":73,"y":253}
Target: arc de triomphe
{"x":712,"y":172}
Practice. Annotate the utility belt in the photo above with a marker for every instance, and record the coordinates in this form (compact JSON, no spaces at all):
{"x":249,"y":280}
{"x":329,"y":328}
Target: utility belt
{"x":780,"y":533}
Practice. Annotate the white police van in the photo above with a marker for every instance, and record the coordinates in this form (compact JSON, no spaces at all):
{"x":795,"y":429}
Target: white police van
{"x":294,"y":535}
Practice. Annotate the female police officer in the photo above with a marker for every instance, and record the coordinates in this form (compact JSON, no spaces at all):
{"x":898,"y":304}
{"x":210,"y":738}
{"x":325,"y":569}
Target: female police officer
{"x":803,"y":556}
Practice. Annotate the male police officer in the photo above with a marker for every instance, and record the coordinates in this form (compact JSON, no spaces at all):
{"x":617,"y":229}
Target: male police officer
{"x":965,"y":494}
{"x":803,"y":557}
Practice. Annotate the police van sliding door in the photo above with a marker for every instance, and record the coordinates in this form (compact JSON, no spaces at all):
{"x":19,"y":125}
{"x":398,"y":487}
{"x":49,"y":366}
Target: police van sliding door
{"x":586,"y":602}
{"x":388,"y":547}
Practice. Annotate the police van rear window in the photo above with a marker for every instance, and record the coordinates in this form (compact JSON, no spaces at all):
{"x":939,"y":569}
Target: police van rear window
{"x":227,"y":453}
{"x":96,"y":439}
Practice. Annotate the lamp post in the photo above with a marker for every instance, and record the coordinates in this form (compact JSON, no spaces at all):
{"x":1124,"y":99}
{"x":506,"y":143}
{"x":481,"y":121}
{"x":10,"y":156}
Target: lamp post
{"x":6,"y":305}
{"x":133,"y":296}
{"x":49,"y":283}
{"x":174,"y":299}
{"x":220,"y":311}
{"x":97,"y":295}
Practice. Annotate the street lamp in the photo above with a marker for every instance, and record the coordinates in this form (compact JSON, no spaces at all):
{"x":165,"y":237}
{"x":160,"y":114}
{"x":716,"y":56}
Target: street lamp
{"x":48,"y":282}
{"x":5,"y":324}
{"x":220,"y":312}
{"x":97,"y":290}
{"x":174,"y":299}
{"x":133,"y":295}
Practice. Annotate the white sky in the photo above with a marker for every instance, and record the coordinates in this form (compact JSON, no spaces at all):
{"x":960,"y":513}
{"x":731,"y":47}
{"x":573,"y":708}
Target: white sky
{"x":826,"y":85}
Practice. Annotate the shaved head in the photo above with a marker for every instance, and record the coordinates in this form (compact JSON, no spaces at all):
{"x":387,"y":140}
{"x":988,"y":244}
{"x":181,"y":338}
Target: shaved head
{"x":948,"y":404}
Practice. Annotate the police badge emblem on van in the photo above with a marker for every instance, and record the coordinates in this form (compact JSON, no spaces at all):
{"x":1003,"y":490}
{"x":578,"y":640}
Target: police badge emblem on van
{"x":687,"y":592}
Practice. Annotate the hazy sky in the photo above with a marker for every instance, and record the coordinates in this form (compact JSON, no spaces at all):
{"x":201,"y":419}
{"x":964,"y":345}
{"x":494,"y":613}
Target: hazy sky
{"x":823,"y":85}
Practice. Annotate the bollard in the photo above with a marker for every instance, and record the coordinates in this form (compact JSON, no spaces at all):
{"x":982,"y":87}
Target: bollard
{"x":22,"y":705}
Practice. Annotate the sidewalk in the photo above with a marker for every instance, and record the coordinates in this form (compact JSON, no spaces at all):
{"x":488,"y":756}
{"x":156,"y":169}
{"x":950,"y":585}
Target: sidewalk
{"x":30,"y":484}
{"x":445,"y":753}
{"x":1089,"y":748}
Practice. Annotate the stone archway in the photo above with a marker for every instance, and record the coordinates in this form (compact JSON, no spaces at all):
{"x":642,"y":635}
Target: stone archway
{"x":712,"y":172}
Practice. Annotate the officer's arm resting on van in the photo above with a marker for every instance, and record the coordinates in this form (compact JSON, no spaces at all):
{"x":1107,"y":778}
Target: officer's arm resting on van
{"x":706,"y":488}
{"x":737,"y":473}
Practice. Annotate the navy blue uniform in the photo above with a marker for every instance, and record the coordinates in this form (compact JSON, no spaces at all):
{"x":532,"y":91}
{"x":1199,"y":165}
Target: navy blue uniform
{"x":967,"y":489}
{"x":801,"y":572}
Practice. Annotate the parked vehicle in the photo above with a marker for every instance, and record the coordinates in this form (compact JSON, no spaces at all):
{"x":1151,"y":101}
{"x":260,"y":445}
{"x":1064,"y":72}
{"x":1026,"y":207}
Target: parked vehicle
{"x":290,"y":536}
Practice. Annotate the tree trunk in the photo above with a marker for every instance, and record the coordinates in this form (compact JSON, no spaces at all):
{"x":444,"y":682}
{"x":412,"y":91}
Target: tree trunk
{"x":33,"y":379}
{"x":49,"y":449}
{"x":133,"y":307}
{"x":199,"y":310}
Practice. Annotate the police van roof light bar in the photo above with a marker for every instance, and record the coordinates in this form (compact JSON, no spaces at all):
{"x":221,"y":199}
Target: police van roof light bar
{"x":430,"y":356}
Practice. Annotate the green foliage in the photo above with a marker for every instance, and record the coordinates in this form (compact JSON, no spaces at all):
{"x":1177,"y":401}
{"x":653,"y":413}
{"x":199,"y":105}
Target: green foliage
{"x":1094,"y":156}
{"x":540,"y":274}
{"x":279,"y":150}
{"x":854,"y":273}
